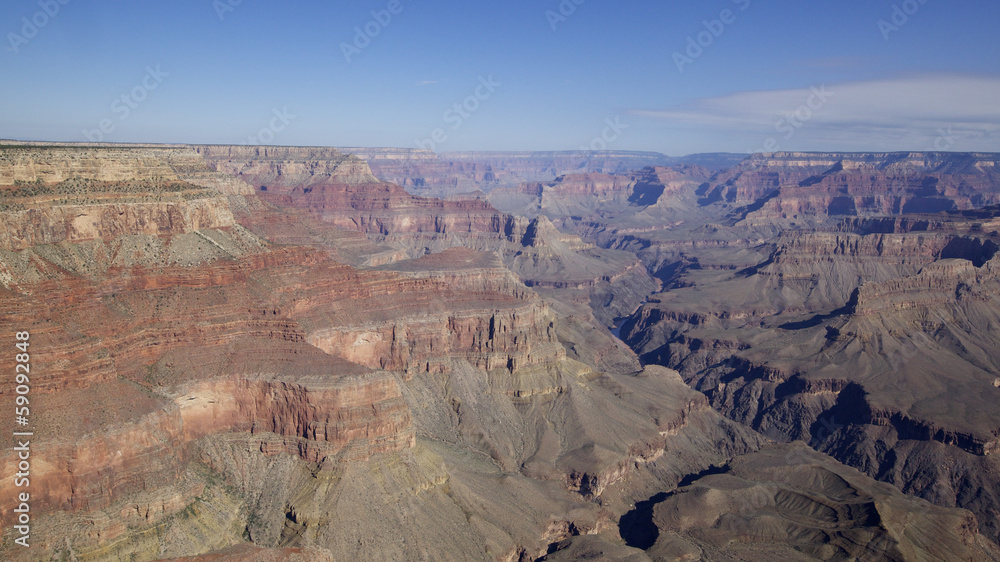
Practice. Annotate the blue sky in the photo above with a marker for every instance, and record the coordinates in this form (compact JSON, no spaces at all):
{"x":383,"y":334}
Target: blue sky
{"x":668,"y":76}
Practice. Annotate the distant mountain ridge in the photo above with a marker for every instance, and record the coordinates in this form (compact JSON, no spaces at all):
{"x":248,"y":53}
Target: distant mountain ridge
{"x":423,"y":172}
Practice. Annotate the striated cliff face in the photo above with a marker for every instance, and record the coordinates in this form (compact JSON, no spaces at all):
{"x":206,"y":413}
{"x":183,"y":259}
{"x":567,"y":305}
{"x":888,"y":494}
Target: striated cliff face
{"x":23,"y":229}
{"x":510,"y":339}
{"x":126,"y":333}
{"x":803,"y":185}
{"x":128,"y":378}
{"x":316,"y":418}
{"x":135,"y":463}
{"x":55,"y":164}
{"x":940,"y":283}
{"x":285,"y":168}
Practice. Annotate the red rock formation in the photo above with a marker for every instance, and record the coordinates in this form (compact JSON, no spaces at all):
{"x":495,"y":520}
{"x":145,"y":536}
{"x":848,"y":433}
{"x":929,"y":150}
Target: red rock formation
{"x":316,"y":417}
{"x":91,"y":336}
{"x":132,"y":332}
{"x":250,"y":553}
{"x":790,"y":185}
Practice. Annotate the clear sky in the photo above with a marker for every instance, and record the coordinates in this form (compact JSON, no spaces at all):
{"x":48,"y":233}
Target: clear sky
{"x":668,"y":76}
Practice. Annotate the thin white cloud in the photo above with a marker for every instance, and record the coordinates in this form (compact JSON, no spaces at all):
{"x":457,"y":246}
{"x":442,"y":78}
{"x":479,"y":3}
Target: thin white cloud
{"x":837,"y":62}
{"x":426,"y":82}
{"x":925,"y":112}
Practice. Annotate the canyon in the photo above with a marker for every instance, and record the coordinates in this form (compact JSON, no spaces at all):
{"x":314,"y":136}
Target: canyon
{"x":296,"y":353}
{"x":423,"y":172}
{"x":843,"y":300}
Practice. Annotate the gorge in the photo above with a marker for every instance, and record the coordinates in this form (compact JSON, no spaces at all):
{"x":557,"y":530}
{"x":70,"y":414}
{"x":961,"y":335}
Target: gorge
{"x":294,"y":353}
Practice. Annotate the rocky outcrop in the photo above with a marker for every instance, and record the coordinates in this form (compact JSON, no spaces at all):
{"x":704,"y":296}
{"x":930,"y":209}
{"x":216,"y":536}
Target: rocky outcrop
{"x":69,"y":193}
{"x":511,"y":338}
{"x":316,"y":418}
{"x":55,"y":163}
{"x":283,"y":169}
{"x":23,"y":229}
{"x":940,"y":283}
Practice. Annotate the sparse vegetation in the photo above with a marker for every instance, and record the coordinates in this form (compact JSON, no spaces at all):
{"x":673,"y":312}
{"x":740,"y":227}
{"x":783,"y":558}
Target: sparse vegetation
{"x":85,"y":191}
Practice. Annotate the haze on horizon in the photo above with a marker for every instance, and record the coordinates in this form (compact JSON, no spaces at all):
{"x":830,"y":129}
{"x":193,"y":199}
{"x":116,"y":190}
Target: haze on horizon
{"x":726,"y":75}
